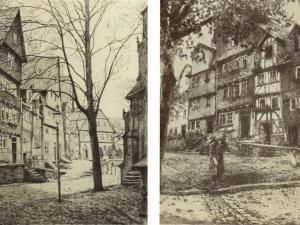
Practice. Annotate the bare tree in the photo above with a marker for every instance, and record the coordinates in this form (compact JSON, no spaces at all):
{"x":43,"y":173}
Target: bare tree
{"x":75,"y":25}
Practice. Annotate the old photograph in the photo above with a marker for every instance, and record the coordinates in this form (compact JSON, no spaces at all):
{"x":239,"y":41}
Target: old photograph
{"x":229,"y":111}
{"x":73,"y":115}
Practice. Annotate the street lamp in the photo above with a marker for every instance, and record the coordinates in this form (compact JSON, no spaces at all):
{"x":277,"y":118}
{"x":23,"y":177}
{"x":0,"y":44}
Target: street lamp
{"x":57,"y":115}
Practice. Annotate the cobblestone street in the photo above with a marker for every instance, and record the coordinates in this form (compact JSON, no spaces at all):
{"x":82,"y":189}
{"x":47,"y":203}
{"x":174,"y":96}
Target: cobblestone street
{"x":32,"y":203}
{"x":278,"y":206}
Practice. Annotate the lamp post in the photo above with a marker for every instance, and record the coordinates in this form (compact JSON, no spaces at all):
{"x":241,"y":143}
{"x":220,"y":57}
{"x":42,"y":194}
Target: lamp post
{"x":57,"y":115}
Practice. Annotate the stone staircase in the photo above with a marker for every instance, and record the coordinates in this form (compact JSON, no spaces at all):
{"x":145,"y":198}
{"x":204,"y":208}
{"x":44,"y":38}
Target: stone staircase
{"x":133,"y":177}
{"x":31,"y":175}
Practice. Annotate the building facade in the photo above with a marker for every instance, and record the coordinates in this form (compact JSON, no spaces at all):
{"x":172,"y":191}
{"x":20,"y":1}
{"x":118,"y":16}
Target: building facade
{"x":135,"y":135}
{"x":12,"y":56}
{"x":202,"y":91}
{"x":235,"y":62}
{"x":105,"y":131}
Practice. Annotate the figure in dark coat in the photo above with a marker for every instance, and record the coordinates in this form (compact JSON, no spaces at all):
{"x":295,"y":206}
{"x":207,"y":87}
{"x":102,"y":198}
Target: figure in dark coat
{"x":222,"y":147}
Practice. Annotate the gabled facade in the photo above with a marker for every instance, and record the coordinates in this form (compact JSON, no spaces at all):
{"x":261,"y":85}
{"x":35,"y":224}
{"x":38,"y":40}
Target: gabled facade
{"x":40,"y":95}
{"x":12,"y":56}
{"x":106,"y":134}
{"x":135,"y":135}
{"x":201,"y":92}
{"x":235,"y":62}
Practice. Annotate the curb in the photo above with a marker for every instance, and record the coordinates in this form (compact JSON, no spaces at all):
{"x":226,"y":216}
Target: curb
{"x":235,"y":188}
{"x":259,"y":186}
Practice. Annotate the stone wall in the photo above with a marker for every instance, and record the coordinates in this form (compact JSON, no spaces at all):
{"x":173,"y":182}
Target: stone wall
{"x":11,"y":173}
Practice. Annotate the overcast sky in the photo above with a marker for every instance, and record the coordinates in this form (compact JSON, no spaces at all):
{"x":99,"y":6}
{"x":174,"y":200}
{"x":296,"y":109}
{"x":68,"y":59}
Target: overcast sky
{"x":120,"y":19}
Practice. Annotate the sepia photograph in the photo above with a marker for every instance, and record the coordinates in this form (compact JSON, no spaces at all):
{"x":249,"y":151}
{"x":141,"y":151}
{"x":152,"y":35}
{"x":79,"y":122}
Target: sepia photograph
{"x":230,"y":112}
{"x":73,"y":115}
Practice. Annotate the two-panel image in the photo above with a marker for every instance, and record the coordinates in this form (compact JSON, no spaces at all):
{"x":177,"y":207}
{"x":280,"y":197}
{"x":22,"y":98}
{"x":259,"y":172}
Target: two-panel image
{"x":74,"y":112}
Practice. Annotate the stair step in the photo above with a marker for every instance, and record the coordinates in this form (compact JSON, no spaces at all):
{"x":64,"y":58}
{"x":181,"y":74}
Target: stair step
{"x":132,"y":172}
{"x":131,"y":183}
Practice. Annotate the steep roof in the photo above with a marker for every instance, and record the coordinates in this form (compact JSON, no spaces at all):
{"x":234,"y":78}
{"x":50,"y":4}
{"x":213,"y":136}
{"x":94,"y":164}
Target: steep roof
{"x":137,"y":88}
{"x":7,"y":18}
{"x":40,"y":72}
{"x":77,"y":115}
{"x":275,"y":30}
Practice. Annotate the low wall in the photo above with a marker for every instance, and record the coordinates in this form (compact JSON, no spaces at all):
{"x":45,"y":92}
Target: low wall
{"x":176,"y":144}
{"x":251,"y":149}
{"x":11,"y":173}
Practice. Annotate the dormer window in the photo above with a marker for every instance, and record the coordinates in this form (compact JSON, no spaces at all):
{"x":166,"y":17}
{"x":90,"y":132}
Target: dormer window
{"x":207,"y":78}
{"x":269,"y":52}
{"x":262,"y":103}
{"x":10,"y":60}
{"x":15,"y":37}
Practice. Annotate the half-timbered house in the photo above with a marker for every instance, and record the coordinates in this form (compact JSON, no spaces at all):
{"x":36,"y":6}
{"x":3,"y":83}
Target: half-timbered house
{"x":235,"y":61}
{"x":12,"y":55}
{"x":201,"y":92}
{"x":273,"y":51}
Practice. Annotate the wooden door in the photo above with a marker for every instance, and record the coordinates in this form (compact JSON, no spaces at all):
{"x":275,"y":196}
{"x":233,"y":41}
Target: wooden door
{"x":245,"y":126}
{"x":14,"y":150}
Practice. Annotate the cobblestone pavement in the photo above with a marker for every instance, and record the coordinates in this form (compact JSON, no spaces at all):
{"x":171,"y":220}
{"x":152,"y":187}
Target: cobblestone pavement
{"x":31,"y":203}
{"x":281,"y":206}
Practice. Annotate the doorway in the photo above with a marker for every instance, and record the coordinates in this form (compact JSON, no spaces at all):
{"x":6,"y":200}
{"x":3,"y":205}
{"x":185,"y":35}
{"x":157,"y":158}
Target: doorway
{"x":293,"y":135}
{"x":267,"y":132}
{"x":14,"y":149}
{"x":210,"y":126}
{"x":183,"y":130}
{"x":245,"y":126}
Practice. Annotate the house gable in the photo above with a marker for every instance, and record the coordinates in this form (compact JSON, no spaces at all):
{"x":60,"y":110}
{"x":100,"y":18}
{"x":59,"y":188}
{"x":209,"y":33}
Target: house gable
{"x":14,"y":37}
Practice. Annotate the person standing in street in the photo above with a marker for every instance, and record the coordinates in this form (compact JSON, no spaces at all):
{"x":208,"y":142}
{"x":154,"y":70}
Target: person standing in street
{"x":222,"y":147}
{"x":213,"y":162}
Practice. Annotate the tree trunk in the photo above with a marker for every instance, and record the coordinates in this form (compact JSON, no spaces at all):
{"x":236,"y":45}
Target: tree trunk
{"x":91,"y":112}
{"x":97,"y":171}
{"x":167,"y":86}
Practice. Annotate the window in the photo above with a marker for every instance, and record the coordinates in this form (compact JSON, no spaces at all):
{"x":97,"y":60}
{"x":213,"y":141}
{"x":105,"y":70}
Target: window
{"x":191,"y":125}
{"x":10,"y":60}
{"x":207,"y":78}
{"x":208,"y":101}
{"x":293,"y":103}
{"x":229,"y":118}
{"x":273,"y":76}
{"x":225,"y":118}
{"x":274,"y":102}
{"x":236,"y":91}
{"x":262,"y":103}
{"x":243,"y":88}
{"x":197,"y":122}
{"x":175,"y":131}
{"x":298,"y":72}
{"x":230,"y":95}
{"x":225,"y":96}
{"x":269,"y":52}
{"x":261,"y":78}
{"x":244,"y":62}
{"x":3,"y":141}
